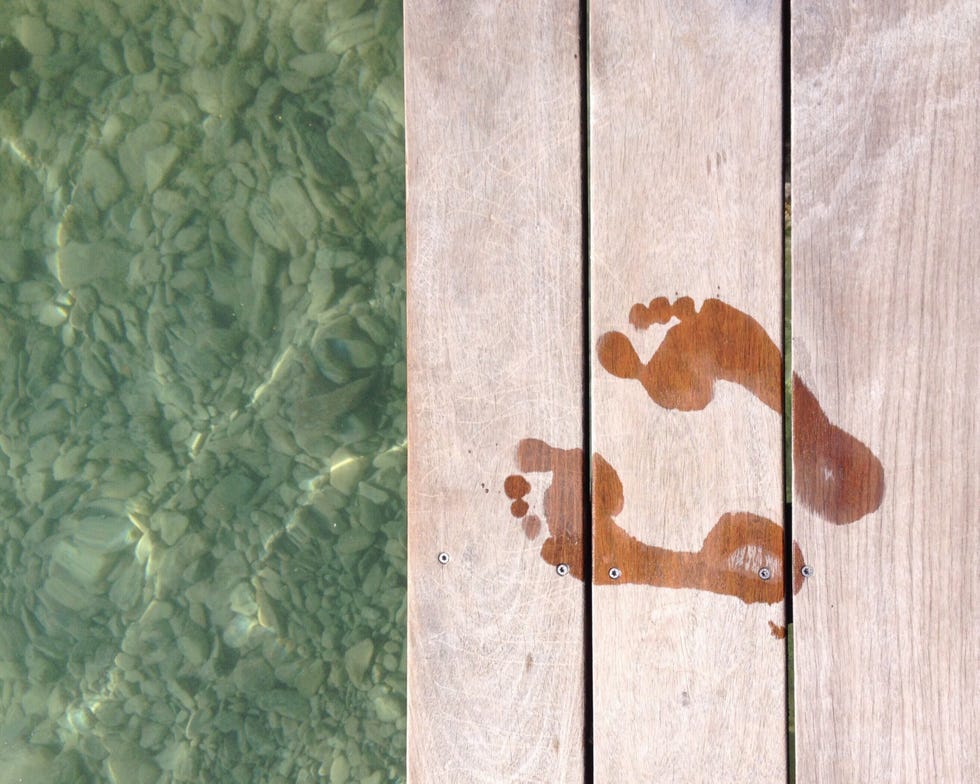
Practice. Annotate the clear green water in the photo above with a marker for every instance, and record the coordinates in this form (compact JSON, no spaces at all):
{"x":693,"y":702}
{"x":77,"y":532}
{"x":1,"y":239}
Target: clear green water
{"x":202,"y":414}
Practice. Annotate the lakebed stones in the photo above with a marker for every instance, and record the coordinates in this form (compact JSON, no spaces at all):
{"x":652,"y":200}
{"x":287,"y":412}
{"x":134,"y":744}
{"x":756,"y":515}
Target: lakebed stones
{"x":86,"y":262}
{"x":201,"y":402}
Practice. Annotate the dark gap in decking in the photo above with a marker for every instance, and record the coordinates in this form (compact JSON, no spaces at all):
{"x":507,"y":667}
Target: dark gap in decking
{"x":788,"y":569}
{"x":583,"y":63}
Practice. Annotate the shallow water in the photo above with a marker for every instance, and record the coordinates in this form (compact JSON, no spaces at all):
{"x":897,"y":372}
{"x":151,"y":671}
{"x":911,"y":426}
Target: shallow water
{"x":202,"y":374}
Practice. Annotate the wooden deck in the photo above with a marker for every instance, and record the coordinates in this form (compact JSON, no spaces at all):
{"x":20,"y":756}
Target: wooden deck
{"x":599,"y":397}
{"x":886,"y":331}
{"x":496,"y":660}
{"x":685,"y":211}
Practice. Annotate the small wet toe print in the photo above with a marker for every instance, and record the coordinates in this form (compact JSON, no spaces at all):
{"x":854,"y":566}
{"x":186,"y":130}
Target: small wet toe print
{"x":516,"y":487}
{"x":563,"y":501}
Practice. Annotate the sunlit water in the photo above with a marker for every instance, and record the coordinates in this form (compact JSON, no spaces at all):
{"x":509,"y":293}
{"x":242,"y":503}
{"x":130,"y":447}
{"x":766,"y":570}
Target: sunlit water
{"x":202,"y":415}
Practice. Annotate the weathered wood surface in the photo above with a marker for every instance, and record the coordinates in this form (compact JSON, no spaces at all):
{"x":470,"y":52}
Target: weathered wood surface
{"x":495,"y":321}
{"x":685,"y":153}
{"x":886,"y":333}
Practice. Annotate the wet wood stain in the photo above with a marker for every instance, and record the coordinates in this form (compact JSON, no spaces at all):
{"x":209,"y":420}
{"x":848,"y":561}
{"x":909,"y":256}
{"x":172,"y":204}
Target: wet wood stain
{"x":516,"y":487}
{"x":835,"y":474}
{"x":716,"y":343}
{"x":563,"y":500}
{"x":731,"y":561}
{"x":734,"y":552}
{"x":779,"y":632}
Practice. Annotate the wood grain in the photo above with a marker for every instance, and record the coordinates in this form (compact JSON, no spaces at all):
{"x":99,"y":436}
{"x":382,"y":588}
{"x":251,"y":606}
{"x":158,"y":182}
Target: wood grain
{"x":886,"y":333}
{"x":495,"y":322}
{"x":685,"y":167}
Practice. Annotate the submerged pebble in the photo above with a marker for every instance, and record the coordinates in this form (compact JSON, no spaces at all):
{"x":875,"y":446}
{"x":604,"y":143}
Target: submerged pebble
{"x":35,"y":36}
{"x":357,"y":660}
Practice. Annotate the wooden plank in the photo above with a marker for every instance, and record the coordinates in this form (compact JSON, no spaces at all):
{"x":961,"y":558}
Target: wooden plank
{"x":685,"y":170}
{"x":886,"y":334}
{"x":495,"y":322}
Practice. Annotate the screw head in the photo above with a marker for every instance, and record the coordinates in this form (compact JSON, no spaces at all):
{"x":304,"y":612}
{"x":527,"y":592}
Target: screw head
{"x":807,"y":571}
{"x":615,"y":574}
{"x":444,"y":558}
{"x":562,"y":569}
{"x":765,"y":573}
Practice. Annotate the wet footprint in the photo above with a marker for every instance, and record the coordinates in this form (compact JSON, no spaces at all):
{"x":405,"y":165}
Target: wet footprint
{"x":716,"y":343}
{"x":835,"y":474}
{"x":741,"y":555}
{"x":563,"y":501}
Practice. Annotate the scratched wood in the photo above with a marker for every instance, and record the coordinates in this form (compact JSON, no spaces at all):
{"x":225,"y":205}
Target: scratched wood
{"x":886,"y":335}
{"x":686,"y":202}
{"x":495,"y":323}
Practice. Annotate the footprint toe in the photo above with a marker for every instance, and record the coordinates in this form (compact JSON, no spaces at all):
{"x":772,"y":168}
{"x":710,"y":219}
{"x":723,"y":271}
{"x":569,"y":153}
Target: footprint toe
{"x":617,"y":355}
{"x":657,"y":312}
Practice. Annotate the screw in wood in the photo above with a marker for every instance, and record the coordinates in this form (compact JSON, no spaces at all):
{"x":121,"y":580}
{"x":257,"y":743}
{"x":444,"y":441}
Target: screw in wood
{"x":562,"y":569}
{"x":614,"y":573}
{"x":765,"y":573}
{"x":443,"y":558}
{"x":807,"y":571}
